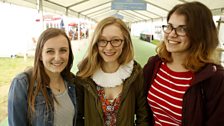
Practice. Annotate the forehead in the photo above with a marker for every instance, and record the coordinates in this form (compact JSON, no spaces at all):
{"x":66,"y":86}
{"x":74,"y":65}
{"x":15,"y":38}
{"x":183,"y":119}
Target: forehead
{"x":177,"y":19}
{"x":56,"y":42}
{"x":111,"y":31}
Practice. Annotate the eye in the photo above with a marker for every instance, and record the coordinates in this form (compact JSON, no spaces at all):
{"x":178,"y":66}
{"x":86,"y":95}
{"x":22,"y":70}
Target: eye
{"x":102,"y":41}
{"x":116,"y":40}
{"x":181,"y":29}
{"x":63,"y":50}
{"x":169,"y":27}
{"x":50,"y":51}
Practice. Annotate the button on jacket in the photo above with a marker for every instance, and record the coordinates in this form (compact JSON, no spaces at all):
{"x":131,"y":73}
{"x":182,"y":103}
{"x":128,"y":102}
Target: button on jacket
{"x":17,"y":104}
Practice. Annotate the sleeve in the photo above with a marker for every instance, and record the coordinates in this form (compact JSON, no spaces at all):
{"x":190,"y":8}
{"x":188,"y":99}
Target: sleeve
{"x":17,"y":102}
{"x":214,"y":95}
{"x":143,"y":111}
{"x":80,"y":101}
{"x":148,"y":69}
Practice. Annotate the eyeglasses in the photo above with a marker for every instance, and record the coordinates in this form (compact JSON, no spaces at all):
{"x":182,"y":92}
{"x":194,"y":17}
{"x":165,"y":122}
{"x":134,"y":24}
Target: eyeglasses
{"x":113,"y":42}
{"x":180,"y":30}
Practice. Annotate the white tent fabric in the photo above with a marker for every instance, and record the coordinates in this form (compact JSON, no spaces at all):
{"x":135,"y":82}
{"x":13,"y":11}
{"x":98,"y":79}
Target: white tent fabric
{"x":97,"y":9}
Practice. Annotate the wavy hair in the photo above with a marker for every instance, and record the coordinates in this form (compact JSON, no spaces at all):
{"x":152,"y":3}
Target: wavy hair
{"x":202,"y":34}
{"x":93,"y":60}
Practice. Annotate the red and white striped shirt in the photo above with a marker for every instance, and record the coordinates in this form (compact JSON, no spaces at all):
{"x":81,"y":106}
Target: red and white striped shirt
{"x":165,"y":95}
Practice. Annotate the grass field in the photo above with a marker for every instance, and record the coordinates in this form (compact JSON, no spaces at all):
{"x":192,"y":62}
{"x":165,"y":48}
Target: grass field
{"x":9,"y":67}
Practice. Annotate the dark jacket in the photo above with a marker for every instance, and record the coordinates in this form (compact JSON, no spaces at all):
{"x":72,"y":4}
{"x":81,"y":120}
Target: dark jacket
{"x":204,"y":100}
{"x":133,"y":101}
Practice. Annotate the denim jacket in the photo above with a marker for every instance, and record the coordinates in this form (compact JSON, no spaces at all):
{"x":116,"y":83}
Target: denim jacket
{"x":18,"y":104}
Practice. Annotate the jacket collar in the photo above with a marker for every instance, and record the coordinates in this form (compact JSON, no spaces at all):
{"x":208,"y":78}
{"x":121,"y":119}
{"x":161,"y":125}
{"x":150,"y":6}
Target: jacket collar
{"x":90,"y":85}
{"x":207,"y":71}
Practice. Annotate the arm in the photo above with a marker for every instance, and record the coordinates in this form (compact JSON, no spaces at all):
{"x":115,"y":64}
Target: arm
{"x":214,"y":99}
{"x":17,"y":101}
{"x":143,"y":112}
{"x":80,"y":101}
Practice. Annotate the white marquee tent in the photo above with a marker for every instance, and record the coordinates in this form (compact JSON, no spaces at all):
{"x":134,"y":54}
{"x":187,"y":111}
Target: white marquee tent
{"x":95,"y":10}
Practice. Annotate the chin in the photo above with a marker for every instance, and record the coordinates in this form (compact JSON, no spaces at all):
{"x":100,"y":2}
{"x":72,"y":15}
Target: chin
{"x":109,"y":60}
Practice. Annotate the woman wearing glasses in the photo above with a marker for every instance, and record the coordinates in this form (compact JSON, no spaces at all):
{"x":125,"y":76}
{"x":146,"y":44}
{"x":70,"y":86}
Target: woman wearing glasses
{"x":113,"y":87}
{"x":186,"y":86}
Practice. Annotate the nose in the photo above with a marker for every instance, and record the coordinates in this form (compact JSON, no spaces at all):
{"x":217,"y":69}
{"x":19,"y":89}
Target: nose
{"x":173,"y":33}
{"x":57,"y":56}
{"x":109,"y":46}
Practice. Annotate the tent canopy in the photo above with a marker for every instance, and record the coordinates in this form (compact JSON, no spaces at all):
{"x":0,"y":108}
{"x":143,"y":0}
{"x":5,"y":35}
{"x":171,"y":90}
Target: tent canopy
{"x":97,"y":9}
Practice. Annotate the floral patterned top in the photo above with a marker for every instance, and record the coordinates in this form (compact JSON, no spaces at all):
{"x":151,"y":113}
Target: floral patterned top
{"x":110,"y":107}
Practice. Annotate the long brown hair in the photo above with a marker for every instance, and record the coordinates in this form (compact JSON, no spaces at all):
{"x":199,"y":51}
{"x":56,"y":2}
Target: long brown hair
{"x":39,"y":81}
{"x":93,"y":60}
{"x":202,"y":34}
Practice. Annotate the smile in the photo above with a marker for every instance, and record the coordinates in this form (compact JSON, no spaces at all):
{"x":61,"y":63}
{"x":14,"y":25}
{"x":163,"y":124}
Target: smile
{"x":109,"y":53}
{"x":173,"y":42}
{"x":57,"y":64}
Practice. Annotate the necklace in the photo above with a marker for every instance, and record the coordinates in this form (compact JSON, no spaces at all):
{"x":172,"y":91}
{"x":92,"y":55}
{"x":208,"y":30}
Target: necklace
{"x":56,"y":89}
{"x":58,"y":86}
{"x":59,"y":90}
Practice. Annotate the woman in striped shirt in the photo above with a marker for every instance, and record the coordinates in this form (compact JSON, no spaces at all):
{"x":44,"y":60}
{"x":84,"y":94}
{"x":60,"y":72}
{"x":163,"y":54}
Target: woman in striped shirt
{"x":186,"y":86}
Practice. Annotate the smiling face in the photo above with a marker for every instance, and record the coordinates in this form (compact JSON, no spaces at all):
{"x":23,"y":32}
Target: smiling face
{"x":109,"y":53}
{"x":55,"y":54}
{"x":176,"y":44}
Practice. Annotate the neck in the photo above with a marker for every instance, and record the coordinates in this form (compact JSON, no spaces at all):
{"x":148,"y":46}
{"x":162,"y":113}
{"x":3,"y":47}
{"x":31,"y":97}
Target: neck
{"x":179,"y":58}
{"x":57,"y":83}
{"x":55,"y":77}
{"x":110,"y":67}
{"x":177,"y":63}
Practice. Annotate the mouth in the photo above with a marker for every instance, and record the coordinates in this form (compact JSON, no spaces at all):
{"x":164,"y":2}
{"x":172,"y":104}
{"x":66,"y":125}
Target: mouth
{"x":57,"y":64}
{"x":109,"y":53}
{"x":173,"y":42}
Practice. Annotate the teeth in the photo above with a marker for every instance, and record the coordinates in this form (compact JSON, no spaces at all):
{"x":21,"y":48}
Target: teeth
{"x":173,"y":42}
{"x":109,"y":53}
{"x":56,"y":64}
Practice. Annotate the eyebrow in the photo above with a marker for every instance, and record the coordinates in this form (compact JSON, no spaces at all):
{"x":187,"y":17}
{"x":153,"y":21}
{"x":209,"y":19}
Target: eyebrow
{"x":54,"y":48}
{"x":178,"y":25}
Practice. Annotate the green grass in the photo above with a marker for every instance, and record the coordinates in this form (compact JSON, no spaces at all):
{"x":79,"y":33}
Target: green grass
{"x":11,"y":66}
{"x":143,"y":50}
{"x":156,"y":42}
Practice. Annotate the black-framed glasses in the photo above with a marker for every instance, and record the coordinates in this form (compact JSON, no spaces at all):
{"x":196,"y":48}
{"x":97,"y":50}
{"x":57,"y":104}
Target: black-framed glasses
{"x":113,"y":42}
{"x":180,"y":30}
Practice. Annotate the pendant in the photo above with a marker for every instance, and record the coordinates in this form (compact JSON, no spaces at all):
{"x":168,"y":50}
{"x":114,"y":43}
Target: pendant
{"x":110,"y":108}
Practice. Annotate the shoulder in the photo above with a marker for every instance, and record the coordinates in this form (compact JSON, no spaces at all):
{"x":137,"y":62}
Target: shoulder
{"x":153,"y":62}
{"x":137,"y":65}
{"x":19,"y":83}
{"x":210,"y":71}
{"x":218,"y":73}
{"x":153,"y":59}
{"x":21,"y":77}
{"x":212,"y":77}
{"x":220,"y":69}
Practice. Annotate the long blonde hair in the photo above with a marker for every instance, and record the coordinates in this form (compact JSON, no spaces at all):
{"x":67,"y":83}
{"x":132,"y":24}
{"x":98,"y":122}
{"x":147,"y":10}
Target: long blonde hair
{"x":93,"y":60}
